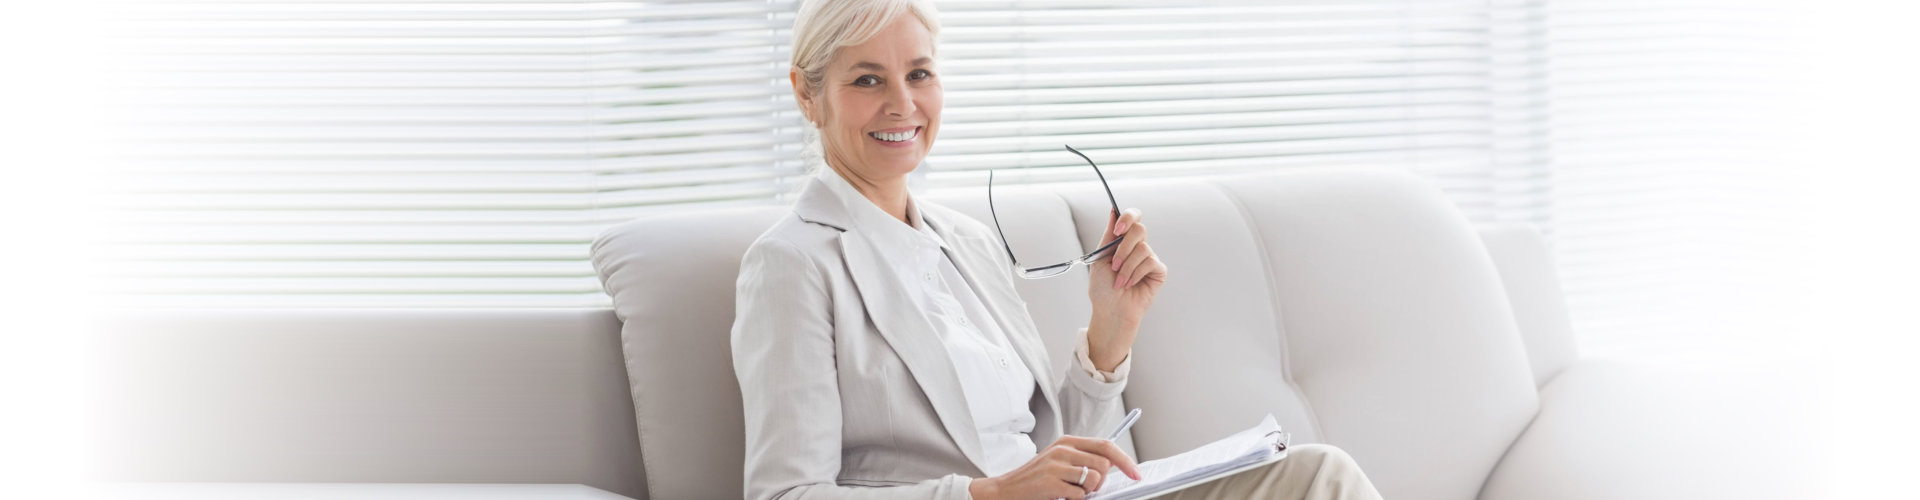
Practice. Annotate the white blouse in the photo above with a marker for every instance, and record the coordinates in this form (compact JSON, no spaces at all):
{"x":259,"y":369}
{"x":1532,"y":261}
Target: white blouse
{"x":997,"y":385}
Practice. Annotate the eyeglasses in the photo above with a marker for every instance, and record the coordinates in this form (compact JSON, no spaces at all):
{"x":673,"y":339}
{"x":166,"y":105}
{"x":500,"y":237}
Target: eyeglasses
{"x":1034,"y":273}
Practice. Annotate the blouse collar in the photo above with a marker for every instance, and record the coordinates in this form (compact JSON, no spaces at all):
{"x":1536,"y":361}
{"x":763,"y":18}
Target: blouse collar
{"x":877,"y":222}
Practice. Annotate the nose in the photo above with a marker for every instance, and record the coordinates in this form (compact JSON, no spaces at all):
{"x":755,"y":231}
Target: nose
{"x":899,"y":102}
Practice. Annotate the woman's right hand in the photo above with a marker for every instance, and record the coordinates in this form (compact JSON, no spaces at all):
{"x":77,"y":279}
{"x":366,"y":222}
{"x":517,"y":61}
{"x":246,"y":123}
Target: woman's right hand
{"x":1052,"y":473}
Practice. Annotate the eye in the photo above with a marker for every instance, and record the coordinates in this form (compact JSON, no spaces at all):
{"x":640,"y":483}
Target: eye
{"x":919,"y":74}
{"x":866,"y":81}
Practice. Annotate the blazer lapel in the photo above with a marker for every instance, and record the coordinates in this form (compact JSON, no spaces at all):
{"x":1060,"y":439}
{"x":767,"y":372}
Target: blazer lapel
{"x":904,"y":326}
{"x":907,"y":329}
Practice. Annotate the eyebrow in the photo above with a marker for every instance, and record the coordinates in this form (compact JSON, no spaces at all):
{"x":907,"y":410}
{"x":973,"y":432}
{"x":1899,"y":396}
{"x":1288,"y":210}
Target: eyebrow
{"x":873,"y":66}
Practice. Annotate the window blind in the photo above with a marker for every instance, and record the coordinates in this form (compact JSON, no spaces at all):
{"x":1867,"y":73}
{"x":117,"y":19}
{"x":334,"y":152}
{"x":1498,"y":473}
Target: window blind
{"x":1452,"y":90}
{"x":1668,"y":132}
{"x":464,"y":153}
{"x":426,"y":154}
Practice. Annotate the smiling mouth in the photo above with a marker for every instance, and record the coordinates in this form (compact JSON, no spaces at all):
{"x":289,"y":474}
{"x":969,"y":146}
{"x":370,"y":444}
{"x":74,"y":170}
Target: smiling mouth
{"x":896,"y":136}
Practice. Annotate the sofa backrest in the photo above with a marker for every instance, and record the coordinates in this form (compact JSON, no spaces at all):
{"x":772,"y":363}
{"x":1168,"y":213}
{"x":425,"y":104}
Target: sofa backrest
{"x":358,"y":395}
{"x":676,"y":312}
{"x":1533,"y":287}
{"x":1396,"y":326}
{"x":1357,"y":306}
{"x":1291,"y":294}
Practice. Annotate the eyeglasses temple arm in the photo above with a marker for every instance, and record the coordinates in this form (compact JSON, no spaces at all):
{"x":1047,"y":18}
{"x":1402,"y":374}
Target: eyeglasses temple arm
{"x":1096,"y":171}
{"x":996,"y":222}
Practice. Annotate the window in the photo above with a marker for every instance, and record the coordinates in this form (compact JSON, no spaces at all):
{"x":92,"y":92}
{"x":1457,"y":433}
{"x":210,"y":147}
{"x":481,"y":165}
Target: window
{"x":1670,"y":214}
{"x":464,"y":154}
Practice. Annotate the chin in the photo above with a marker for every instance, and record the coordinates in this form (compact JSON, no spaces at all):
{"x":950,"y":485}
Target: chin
{"x":898,"y":165}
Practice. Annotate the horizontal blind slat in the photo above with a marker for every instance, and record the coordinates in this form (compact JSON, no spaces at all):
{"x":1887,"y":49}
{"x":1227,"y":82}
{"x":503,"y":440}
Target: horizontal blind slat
{"x":438,"y":152}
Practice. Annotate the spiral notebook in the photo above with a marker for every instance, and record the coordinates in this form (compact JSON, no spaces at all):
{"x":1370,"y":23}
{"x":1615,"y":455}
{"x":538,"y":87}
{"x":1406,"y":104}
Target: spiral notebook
{"x":1260,"y":445}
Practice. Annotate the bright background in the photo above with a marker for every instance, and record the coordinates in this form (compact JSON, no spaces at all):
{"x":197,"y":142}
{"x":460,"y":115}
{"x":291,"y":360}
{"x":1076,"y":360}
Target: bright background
{"x":1723,"y":182}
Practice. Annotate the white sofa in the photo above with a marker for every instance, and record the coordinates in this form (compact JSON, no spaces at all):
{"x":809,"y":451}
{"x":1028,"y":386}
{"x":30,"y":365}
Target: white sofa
{"x":1358,"y":306}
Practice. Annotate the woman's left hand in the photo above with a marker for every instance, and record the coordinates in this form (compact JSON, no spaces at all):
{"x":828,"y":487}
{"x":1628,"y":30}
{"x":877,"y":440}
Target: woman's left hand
{"x":1121,"y":287}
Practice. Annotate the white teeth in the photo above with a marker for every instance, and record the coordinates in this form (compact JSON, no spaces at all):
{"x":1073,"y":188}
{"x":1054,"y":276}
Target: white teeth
{"x":896,"y":136}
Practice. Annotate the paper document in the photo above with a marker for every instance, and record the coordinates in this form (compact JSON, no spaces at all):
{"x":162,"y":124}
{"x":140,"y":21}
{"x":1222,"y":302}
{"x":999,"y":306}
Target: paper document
{"x":1262,"y":443}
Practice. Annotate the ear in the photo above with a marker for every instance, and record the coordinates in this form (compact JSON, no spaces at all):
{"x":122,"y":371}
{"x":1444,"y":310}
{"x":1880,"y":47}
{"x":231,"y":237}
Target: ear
{"x":800,"y":94}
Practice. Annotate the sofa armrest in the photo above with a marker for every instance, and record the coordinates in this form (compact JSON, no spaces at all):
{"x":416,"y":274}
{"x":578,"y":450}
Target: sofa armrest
{"x":1617,"y":430}
{"x":346,"y":491}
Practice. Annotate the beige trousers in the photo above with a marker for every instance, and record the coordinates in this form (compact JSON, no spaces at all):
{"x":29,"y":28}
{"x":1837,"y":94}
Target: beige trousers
{"x":1310,"y":472}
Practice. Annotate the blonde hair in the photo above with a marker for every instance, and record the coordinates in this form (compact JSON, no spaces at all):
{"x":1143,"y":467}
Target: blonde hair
{"x":822,"y":27}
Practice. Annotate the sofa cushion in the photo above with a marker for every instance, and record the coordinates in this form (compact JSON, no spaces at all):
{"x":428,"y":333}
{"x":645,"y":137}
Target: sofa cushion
{"x":1612,"y":430}
{"x":672,"y":282}
{"x":1394,"y":325}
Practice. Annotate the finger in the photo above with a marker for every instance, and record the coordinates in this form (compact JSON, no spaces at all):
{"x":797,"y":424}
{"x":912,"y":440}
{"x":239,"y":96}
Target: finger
{"x":1112,"y":222}
{"x":1120,"y":459}
{"x":1066,"y":487}
{"x":1149,"y":269}
{"x":1145,"y":271}
{"x":1129,"y":274}
{"x":1113,"y":228}
{"x":1073,"y":456}
{"x":1126,"y":220}
{"x":1094,"y":477}
{"x":1105,"y":449}
{"x":1130,"y":241}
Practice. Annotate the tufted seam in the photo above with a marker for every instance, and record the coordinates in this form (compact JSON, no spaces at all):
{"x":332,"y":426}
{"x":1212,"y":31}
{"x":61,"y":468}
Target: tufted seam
{"x":1273,"y":293}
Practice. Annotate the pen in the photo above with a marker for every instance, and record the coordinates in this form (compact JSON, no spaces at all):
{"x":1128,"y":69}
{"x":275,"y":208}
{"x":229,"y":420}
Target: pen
{"x":1132,"y":416}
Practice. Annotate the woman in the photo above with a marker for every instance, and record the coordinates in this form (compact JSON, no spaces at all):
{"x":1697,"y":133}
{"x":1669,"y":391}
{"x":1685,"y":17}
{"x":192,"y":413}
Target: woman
{"x":880,"y":346}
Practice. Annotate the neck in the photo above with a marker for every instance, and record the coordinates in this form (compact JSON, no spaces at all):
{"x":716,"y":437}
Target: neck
{"x":890,"y":194}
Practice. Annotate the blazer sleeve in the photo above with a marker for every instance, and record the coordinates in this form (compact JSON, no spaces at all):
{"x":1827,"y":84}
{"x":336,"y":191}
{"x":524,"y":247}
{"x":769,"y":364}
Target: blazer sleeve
{"x":783,"y":356}
{"x":1091,"y":406}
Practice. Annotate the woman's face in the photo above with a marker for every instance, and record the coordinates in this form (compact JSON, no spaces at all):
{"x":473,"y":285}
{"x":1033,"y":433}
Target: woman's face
{"x":879,"y":106}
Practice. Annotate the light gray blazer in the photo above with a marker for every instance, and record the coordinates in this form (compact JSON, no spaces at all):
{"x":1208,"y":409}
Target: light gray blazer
{"x":847,"y":390}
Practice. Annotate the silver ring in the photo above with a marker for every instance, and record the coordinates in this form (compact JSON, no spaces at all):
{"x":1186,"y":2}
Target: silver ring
{"x":1083,"y":475}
